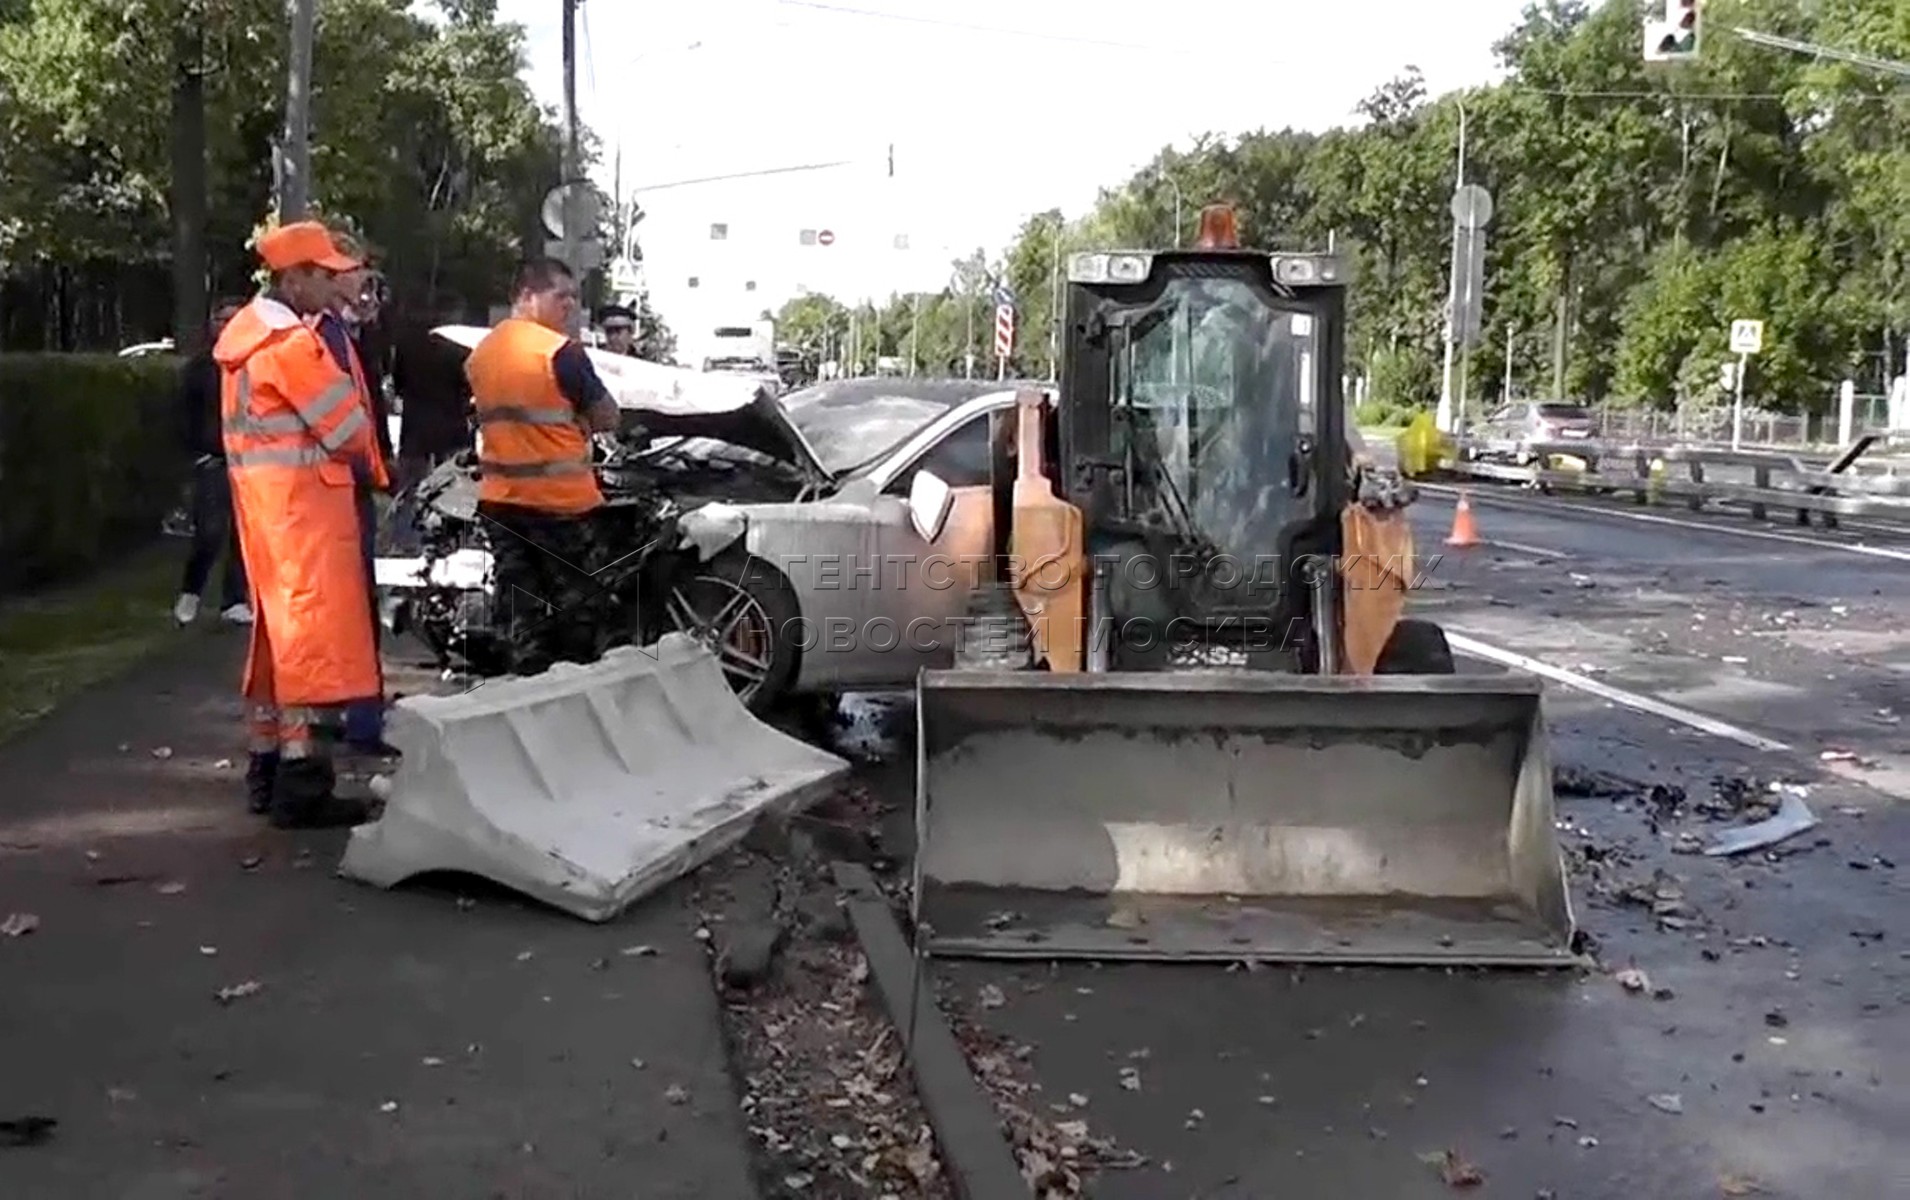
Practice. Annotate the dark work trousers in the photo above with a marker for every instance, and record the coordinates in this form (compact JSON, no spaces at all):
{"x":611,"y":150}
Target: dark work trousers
{"x":365,"y":719}
{"x":548,"y":603}
{"x":214,"y":532}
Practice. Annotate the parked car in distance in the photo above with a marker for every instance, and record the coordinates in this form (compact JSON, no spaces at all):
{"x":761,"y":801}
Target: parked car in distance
{"x":1512,"y":431}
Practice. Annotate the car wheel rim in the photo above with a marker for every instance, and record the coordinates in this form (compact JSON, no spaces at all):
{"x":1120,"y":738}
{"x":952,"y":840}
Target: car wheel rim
{"x":730,"y":623}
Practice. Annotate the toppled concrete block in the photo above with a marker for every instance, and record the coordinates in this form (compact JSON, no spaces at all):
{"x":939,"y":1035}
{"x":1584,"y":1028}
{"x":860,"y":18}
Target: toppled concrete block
{"x":586,"y":787}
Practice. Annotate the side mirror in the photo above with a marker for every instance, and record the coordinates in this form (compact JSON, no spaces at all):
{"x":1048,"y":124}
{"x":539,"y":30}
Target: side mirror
{"x":929,"y":502}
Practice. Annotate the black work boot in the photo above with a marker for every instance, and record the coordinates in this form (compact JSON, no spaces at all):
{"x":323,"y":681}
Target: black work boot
{"x":260,"y":770}
{"x":302,"y":797}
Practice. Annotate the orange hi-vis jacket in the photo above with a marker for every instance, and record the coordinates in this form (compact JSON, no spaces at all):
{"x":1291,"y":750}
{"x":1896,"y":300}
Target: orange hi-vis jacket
{"x":294,"y":427}
{"x":533,"y":450}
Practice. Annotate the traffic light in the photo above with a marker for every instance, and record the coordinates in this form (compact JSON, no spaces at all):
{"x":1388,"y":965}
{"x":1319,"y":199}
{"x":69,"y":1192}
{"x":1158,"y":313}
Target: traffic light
{"x":1675,"y":37}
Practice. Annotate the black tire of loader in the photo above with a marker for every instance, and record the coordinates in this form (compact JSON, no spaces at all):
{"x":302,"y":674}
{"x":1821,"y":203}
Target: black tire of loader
{"x":768,"y":587}
{"x":1416,"y":648}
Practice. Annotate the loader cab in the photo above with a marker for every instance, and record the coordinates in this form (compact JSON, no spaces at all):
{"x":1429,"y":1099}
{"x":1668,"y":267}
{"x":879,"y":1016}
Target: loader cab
{"x":1202,"y":434}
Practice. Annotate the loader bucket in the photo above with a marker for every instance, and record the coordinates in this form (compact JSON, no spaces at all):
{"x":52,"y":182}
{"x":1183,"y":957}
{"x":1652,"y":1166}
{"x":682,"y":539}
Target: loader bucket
{"x":1230,"y":815}
{"x":586,"y":787}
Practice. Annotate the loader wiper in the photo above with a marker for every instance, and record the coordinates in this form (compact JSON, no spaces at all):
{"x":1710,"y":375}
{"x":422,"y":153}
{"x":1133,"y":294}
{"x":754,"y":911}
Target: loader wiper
{"x":1143,"y":450}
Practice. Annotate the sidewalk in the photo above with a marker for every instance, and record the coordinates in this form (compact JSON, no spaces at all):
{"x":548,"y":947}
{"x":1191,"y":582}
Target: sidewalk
{"x":409,"y":1043}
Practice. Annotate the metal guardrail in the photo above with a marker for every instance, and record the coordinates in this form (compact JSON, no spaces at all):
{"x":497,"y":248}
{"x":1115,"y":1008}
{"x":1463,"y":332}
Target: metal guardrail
{"x":1760,"y":480}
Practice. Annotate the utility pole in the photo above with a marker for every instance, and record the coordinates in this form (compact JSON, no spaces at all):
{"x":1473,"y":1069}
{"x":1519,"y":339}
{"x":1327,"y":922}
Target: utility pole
{"x":915,"y":329}
{"x":572,"y":157}
{"x":1444,"y":416}
{"x":1054,"y":304}
{"x":295,"y":156}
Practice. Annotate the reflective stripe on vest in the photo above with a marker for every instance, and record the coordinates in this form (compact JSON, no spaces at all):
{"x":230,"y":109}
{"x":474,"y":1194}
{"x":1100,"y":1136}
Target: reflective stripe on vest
{"x":519,"y":414}
{"x":287,"y":439}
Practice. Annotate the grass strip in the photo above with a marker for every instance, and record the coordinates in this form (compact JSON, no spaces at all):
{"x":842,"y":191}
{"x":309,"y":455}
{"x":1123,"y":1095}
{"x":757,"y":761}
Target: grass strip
{"x":57,"y":643}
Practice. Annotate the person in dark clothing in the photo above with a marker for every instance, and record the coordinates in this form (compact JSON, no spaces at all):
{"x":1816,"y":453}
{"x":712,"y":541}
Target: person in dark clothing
{"x":427,"y":373}
{"x":619,"y":325}
{"x":214,"y":531}
{"x":349,"y":332}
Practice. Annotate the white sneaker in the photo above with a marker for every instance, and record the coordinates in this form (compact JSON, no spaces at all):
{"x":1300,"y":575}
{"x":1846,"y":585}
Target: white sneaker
{"x":238,"y":614}
{"x":185,"y":610}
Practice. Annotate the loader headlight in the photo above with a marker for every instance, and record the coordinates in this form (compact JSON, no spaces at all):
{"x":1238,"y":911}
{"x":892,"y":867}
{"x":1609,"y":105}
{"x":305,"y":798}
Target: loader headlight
{"x":1109,"y":268}
{"x":1309,"y":270}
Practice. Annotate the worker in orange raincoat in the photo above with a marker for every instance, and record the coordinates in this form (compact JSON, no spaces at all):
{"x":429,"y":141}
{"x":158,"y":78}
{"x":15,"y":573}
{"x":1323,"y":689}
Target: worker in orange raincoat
{"x":298,"y":436}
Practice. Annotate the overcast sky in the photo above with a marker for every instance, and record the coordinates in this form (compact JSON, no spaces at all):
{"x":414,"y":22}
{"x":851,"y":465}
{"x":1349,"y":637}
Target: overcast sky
{"x":996,"y":108}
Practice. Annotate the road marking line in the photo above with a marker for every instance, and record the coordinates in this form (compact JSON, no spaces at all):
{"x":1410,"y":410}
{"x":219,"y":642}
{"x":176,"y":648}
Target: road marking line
{"x":1605,"y":691}
{"x":1522,"y":548}
{"x":1440,"y":489}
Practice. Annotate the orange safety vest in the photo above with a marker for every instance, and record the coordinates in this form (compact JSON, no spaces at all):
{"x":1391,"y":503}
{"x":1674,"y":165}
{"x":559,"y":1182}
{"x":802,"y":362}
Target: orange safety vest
{"x":293,"y":426}
{"x":533,"y":449}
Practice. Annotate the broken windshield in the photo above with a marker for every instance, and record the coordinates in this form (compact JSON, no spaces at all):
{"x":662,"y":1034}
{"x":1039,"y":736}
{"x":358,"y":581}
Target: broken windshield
{"x":1219,"y":385}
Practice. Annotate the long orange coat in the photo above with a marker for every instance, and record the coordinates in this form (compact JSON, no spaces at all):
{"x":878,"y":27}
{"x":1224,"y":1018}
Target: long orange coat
{"x":294,"y":425}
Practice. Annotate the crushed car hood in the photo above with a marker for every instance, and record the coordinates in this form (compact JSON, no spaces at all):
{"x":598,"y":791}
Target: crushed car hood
{"x":679,"y":402}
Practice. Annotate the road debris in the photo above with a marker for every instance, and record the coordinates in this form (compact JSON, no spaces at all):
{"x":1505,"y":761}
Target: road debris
{"x":676,"y":1094}
{"x":19,"y":924}
{"x":1739,"y":1185}
{"x":1667,"y":1102}
{"x":172,"y":887}
{"x":1633,"y":980}
{"x":1792,"y":818}
{"x":238,"y":991}
{"x":1454,"y":1170}
{"x":26,"y":1131}
{"x":389,"y":1106}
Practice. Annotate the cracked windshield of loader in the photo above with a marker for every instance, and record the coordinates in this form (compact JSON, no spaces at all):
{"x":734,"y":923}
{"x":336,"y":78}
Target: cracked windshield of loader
{"x":1220,"y":385}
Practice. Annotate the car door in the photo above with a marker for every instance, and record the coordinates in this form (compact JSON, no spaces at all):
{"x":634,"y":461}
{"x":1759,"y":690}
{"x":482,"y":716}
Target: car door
{"x":1497,"y":431}
{"x":935,"y":578}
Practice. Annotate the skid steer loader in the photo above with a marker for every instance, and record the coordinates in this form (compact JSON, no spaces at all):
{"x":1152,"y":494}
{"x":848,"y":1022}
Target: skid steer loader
{"x":1186,"y":719}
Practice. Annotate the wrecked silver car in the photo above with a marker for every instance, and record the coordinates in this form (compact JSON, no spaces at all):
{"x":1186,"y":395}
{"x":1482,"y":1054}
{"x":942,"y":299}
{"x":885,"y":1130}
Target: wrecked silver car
{"x":783,"y":533}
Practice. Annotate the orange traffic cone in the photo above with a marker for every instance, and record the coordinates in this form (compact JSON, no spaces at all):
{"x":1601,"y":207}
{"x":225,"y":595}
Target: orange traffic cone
{"x":1464,"y":533}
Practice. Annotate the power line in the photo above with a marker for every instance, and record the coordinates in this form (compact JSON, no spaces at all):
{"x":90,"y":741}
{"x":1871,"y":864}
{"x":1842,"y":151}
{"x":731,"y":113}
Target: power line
{"x":677,"y":183}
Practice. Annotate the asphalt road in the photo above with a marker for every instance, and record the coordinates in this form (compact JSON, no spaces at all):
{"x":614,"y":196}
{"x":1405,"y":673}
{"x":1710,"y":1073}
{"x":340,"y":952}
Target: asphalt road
{"x":1781,"y":1035}
{"x":421,"y":1042}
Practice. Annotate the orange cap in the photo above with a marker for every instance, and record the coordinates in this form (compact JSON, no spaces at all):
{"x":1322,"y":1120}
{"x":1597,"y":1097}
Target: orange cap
{"x":303,"y":244}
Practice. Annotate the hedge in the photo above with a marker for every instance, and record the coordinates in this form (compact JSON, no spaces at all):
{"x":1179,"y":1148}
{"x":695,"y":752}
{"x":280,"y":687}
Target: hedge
{"x":90,"y":460}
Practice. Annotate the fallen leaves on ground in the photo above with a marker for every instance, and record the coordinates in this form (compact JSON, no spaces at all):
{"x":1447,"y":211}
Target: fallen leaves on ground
{"x":827,"y":1094}
{"x":1055,"y":1156}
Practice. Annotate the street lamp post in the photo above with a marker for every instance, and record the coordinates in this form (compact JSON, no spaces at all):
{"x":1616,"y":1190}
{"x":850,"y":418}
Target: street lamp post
{"x":1169,"y":181}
